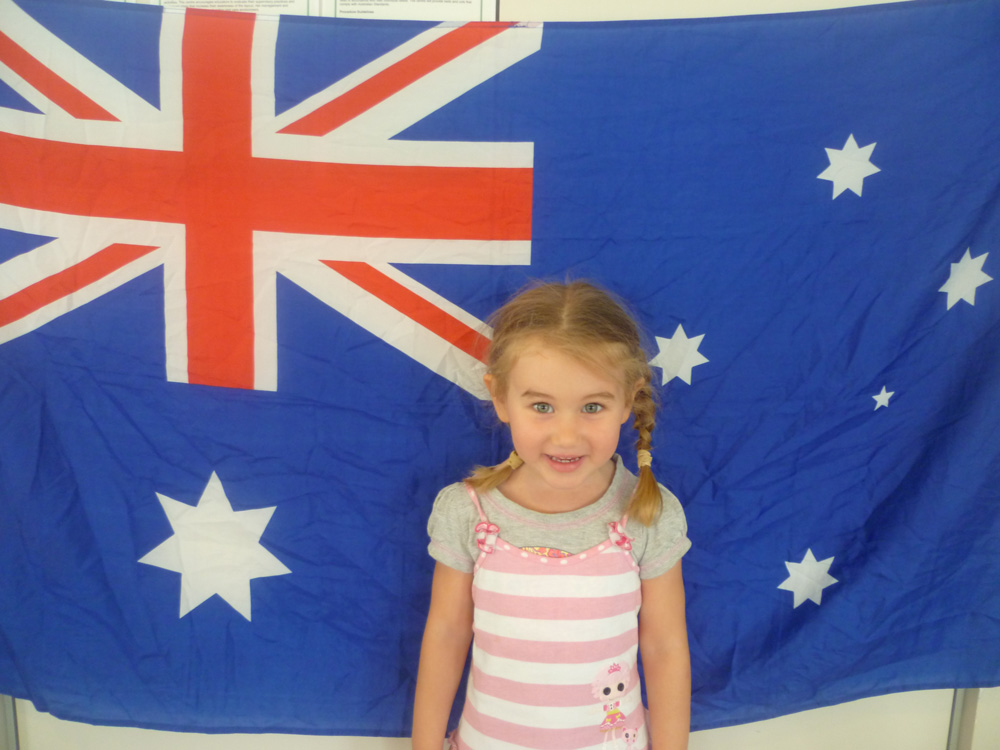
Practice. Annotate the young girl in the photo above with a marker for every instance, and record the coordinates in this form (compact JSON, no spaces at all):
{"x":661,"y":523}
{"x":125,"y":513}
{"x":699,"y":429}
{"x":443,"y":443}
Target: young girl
{"x":558,"y":559}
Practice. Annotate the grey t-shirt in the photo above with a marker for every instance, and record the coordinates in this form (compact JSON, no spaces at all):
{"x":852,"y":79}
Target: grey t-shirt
{"x":656,"y":548}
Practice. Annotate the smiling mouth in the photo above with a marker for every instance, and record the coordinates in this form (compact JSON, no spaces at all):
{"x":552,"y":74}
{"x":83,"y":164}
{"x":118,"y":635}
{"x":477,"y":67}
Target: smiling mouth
{"x":564,"y":460}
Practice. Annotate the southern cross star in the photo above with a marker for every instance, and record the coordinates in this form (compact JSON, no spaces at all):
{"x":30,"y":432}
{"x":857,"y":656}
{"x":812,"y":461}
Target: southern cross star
{"x":849,"y":166}
{"x":807,"y":579}
{"x":882,"y":399}
{"x":965,"y":278}
{"x":678,"y":356}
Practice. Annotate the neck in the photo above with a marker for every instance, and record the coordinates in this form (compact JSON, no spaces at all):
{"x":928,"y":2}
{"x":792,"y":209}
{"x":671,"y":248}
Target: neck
{"x":520,"y":488}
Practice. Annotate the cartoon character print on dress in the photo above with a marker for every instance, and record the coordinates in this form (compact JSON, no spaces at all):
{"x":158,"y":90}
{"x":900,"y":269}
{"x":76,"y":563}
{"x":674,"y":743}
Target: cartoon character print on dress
{"x":550,"y":552}
{"x":630,"y":736}
{"x":608,"y":687}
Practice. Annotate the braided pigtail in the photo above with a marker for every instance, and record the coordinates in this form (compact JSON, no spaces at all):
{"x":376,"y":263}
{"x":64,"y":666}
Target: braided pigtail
{"x":646,"y":501}
{"x":486,"y":478}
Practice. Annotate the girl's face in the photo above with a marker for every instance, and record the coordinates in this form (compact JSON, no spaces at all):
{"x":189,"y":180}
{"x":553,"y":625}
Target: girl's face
{"x":565,"y":420}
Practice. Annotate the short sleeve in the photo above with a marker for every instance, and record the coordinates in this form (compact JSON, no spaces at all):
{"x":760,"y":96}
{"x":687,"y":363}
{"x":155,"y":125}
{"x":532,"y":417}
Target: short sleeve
{"x":666,"y":539}
{"x":451,"y":528}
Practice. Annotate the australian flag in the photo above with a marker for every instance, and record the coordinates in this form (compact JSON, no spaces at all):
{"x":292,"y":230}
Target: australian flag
{"x":244,"y":268}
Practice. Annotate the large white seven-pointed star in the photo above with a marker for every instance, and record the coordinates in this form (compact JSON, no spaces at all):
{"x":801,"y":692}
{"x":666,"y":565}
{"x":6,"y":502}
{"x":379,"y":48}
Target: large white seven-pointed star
{"x":965,"y":278}
{"x":849,"y":166}
{"x":807,"y":579}
{"x":215,"y":549}
{"x":678,"y":355}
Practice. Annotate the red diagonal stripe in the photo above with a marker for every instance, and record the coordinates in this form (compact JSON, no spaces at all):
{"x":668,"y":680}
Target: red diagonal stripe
{"x":69,"y":280}
{"x":413,"y":306}
{"x":63,"y":94}
{"x":395,"y":78}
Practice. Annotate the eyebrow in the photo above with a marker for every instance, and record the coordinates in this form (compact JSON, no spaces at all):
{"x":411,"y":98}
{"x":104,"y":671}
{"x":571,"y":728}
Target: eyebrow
{"x":588,"y":397}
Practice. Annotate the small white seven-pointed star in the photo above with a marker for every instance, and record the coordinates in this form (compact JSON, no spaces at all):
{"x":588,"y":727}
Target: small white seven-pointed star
{"x":849,"y":166}
{"x":678,"y":356}
{"x":215,"y":549}
{"x":965,"y":278}
{"x":882,"y":399}
{"x":807,"y":579}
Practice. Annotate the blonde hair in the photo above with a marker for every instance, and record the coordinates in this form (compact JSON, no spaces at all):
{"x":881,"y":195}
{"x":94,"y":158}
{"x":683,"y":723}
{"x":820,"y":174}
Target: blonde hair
{"x":590,"y":325}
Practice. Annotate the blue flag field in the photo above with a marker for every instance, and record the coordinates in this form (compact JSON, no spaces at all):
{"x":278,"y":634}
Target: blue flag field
{"x":244,"y":268}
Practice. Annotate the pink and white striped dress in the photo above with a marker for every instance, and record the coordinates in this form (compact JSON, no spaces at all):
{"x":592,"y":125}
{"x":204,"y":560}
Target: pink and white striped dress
{"x":554,"y":648}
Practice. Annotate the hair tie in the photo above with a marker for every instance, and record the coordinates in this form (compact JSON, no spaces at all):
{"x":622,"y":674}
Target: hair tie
{"x":644,"y":458}
{"x":514,"y":460}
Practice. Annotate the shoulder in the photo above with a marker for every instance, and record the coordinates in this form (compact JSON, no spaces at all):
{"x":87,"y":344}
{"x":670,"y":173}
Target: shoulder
{"x":664,"y":541}
{"x":453,"y":505}
{"x":671,"y":515}
{"x":451,"y":527}
{"x":453,"y":496}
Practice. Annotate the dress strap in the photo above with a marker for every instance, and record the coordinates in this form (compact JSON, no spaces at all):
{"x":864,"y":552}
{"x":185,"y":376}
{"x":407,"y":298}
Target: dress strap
{"x":475,"y":501}
{"x":616,"y":532}
{"x":486,"y":532}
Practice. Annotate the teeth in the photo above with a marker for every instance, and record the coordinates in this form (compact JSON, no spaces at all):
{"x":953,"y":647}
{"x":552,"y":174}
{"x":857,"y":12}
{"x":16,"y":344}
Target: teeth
{"x":563,"y":460}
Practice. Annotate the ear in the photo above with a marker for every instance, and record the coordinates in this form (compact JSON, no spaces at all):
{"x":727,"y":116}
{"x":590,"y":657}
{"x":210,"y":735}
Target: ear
{"x":498,"y":402}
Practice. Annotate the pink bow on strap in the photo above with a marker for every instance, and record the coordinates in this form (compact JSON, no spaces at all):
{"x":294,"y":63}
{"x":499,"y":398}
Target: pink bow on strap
{"x":618,"y":535}
{"x":486,"y":535}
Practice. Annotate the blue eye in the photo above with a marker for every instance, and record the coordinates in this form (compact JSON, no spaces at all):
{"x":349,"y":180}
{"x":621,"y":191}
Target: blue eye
{"x":592,"y":408}
{"x":542,"y":408}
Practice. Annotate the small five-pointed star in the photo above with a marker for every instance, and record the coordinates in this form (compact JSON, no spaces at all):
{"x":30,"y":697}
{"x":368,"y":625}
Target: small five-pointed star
{"x":807,"y":579}
{"x":849,"y":166}
{"x":882,"y":399}
{"x":965,"y":278}
{"x":216,"y":549}
{"x":678,"y":356}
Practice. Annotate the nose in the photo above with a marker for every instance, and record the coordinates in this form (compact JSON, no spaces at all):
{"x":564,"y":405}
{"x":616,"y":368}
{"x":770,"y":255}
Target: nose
{"x":566,"y":430}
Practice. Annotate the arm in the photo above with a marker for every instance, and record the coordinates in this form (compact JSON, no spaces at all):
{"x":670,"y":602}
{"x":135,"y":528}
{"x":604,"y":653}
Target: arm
{"x":445,"y":646}
{"x":666,"y":661}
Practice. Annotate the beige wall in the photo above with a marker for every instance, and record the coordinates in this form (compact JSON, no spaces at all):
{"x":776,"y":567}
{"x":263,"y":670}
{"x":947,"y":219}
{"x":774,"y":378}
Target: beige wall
{"x":627,"y":10}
